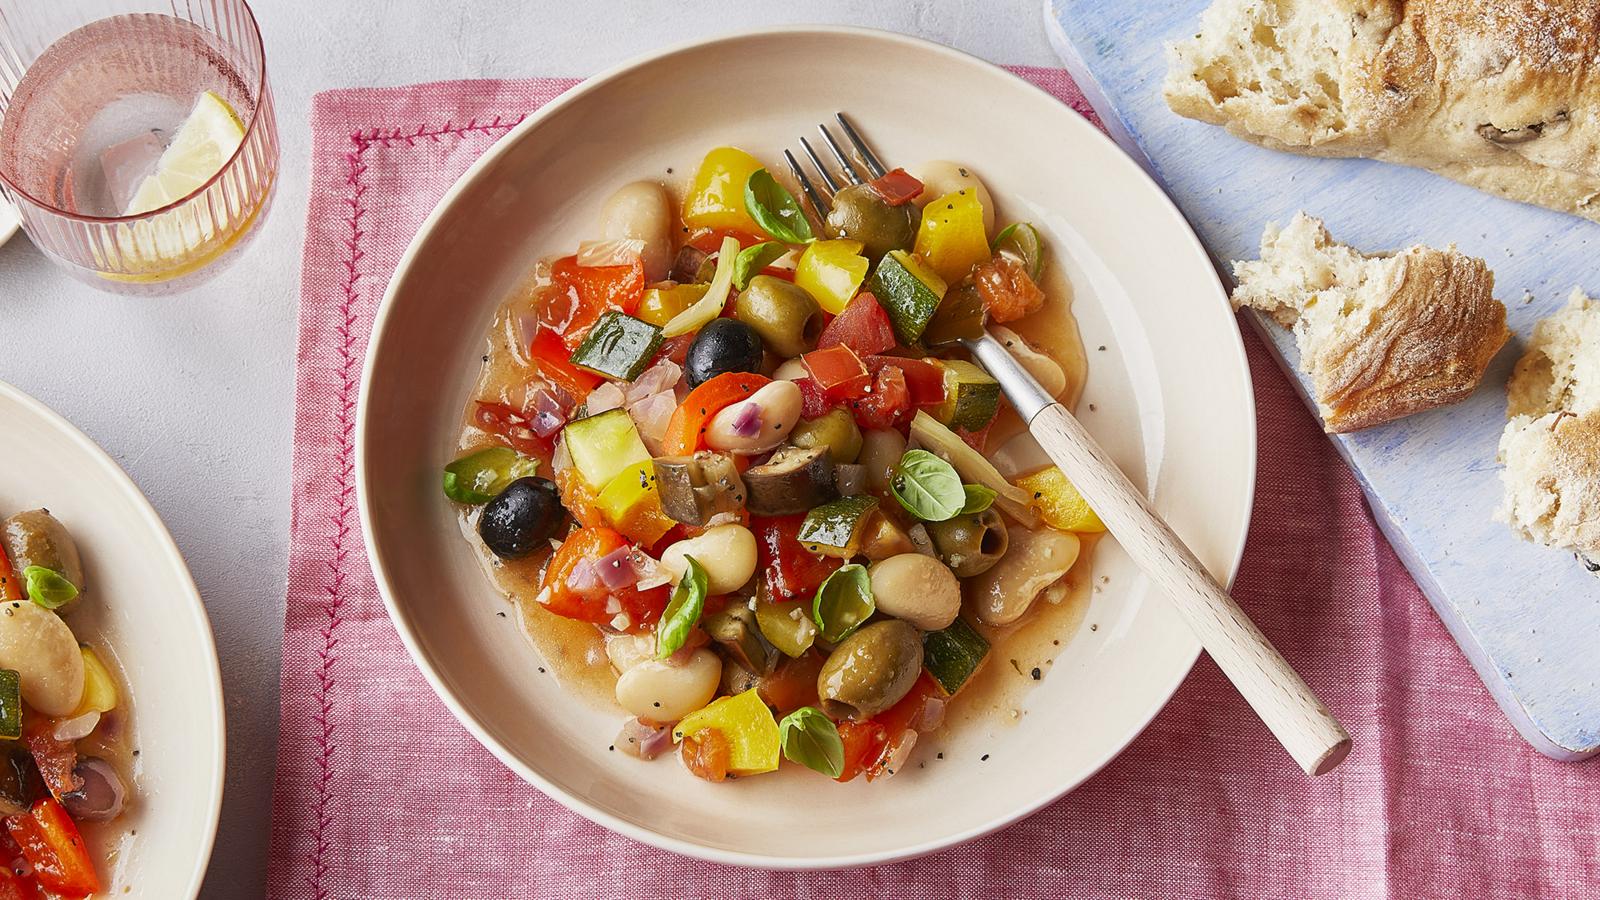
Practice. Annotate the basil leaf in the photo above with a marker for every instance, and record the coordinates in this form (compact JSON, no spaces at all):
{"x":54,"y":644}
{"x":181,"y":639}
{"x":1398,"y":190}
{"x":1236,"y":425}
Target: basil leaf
{"x":811,"y":739}
{"x":683,"y":610}
{"x":775,"y":209}
{"x":979,"y":498}
{"x":479,"y":477}
{"x":928,"y":487}
{"x":843,"y":602}
{"x":752,"y":259}
{"x":48,"y":588}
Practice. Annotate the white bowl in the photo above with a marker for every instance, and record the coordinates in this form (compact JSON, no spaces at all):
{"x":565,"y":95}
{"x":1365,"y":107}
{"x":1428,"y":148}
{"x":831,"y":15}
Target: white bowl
{"x":141,"y":606}
{"x":1171,"y":394}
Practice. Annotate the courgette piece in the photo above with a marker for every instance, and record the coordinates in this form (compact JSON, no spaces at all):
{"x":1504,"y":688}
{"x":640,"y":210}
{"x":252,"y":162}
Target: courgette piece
{"x":794,"y":480}
{"x":786,"y":624}
{"x":837,"y":528}
{"x":618,"y":346}
{"x":952,"y":656}
{"x":960,"y":316}
{"x":908,"y":291}
{"x":603,"y":445}
{"x":10,"y":705}
{"x":971,"y":396}
{"x":695,"y":488}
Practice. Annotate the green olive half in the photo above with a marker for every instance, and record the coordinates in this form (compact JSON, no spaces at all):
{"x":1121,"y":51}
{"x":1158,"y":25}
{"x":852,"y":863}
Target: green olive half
{"x":970,"y":545}
{"x":787,"y":318}
{"x":36,"y":538}
{"x":836,"y":429}
{"x":860,"y":214}
{"x":870,"y":670}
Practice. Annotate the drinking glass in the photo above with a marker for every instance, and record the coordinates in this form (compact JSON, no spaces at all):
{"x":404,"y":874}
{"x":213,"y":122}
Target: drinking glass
{"x":92,"y":95}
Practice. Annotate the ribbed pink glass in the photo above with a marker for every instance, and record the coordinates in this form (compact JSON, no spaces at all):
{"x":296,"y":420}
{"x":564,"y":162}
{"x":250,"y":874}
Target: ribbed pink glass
{"x":86,"y":83}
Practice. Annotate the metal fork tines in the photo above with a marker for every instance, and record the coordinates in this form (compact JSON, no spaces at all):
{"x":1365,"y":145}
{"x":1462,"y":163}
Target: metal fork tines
{"x":820,"y":201}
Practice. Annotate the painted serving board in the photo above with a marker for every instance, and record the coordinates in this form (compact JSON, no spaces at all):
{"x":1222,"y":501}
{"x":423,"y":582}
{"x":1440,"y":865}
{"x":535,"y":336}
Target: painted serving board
{"x":1527,"y":617}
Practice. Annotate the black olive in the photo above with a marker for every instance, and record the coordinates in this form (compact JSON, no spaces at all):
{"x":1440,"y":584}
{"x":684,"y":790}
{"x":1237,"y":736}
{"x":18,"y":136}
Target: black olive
{"x":724,"y":345}
{"x":524,"y":515}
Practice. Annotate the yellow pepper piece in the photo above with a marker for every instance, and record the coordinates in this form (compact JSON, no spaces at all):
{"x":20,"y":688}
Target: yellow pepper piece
{"x":716,"y":195}
{"x":1058,"y":503}
{"x":831,"y":272}
{"x":99,"y":688}
{"x":747,"y":724}
{"x":951,"y":237}
{"x":632,"y":505}
{"x":660,"y":305}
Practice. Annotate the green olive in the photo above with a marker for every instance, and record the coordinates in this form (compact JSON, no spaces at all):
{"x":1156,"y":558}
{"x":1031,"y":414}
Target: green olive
{"x":787,"y":318}
{"x":860,"y":214}
{"x":836,"y":429}
{"x":870,"y":670}
{"x":970,"y":545}
{"x":36,"y":538}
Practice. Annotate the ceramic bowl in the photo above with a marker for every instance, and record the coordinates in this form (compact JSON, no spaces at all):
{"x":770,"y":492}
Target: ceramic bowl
{"x":1168,"y":385}
{"x":141,"y":607}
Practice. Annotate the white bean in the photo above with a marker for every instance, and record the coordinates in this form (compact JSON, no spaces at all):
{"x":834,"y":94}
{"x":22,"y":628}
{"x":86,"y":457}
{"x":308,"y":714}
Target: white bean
{"x":880,"y":453}
{"x":941,"y":176}
{"x":40,"y":648}
{"x":1044,"y":370}
{"x":641,"y":211}
{"x":778,"y":407}
{"x":917,"y":589}
{"x":791,"y":370}
{"x":628,"y":650}
{"x":661,"y":692}
{"x":726,"y":552}
{"x":1034,"y":561}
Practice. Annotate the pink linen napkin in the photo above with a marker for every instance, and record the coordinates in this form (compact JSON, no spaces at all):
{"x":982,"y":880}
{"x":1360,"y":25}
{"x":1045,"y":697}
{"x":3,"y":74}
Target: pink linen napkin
{"x":381,"y":794}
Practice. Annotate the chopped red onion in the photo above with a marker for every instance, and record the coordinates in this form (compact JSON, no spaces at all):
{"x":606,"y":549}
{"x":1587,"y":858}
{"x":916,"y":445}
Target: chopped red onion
{"x":616,"y":570}
{"x":76,"y":729}
{"x":747,"y":423}
{"x":652,"y":415}
{"x":604,"y":398}
{"x":583,"y":577}
{"x":615,"y":252}
{"x":658,"y":378}
{"x":930,"y":717}
{"x":643,"y":740}
{"x":527,"y":328}
{"x":895,"y":756}
{"x":548,"y":416}
{"x":650,"y":573}
{"x":102,"y":795}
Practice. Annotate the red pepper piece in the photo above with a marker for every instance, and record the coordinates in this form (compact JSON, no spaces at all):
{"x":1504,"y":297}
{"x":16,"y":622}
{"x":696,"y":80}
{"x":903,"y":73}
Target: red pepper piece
{"x":897,"y":188}
{"x":863,"y":326}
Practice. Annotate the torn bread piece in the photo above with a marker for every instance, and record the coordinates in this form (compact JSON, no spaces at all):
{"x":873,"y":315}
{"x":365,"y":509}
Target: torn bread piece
{"x":1503,"y":96}
{"x":1381,"y":336}
{"x":1551,"y":445}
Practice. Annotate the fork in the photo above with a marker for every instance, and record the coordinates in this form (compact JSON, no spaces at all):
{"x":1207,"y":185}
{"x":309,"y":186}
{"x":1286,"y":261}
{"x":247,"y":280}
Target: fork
{"x":1296,"y":717}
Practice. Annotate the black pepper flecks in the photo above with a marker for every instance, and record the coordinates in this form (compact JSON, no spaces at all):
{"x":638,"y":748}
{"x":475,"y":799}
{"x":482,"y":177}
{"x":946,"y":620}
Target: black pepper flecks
{"x":541,"y":670}
{"x":501,"y":614}
{"x":1036,"y":673}
{"x":983,"y":758}
{"x":1102,"y":347}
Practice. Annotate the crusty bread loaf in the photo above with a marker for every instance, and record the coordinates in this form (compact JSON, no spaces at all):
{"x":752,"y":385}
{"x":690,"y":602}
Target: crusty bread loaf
{"x":1381,"y":336}
{"x":1551,"y":445}
{"x":1503,"y":95}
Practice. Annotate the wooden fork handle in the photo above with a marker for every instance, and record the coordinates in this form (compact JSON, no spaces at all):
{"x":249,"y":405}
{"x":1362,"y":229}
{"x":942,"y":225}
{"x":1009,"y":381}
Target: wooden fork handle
{"x":1275,"y":691}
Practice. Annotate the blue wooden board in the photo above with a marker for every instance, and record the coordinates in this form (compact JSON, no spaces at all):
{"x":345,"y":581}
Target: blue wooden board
{"x":1527,"y":617}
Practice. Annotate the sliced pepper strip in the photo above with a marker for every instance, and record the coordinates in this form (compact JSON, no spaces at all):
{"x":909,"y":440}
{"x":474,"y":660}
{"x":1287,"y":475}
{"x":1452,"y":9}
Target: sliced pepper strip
{"x":50,"y":842}
{"x":687,"y":428}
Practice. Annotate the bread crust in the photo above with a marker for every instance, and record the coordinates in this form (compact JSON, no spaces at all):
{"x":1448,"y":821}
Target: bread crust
{"x":1382,"y":337}
{"x":1502,"y":95}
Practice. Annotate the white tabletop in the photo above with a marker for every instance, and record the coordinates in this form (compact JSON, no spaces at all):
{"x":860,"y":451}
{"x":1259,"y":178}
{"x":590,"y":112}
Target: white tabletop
{"x":194,"y":394}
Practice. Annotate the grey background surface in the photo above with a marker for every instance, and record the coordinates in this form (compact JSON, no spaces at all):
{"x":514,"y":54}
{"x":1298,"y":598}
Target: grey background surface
{"x":194,"y":394}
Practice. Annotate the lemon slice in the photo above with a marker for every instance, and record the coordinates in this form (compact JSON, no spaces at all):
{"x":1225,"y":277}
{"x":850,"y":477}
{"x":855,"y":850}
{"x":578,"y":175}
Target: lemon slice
{"x":203,"y":145}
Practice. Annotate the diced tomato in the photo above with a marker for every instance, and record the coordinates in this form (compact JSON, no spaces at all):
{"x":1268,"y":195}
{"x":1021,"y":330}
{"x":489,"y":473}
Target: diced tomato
{"x":552,"y":358}
{"x":863,"y":326}
{"x":707,"y":753}
{"x":864,"y":743}
{"x":887,"y":405}
{"x":813,"y":402}
{"x":50,"y":842}
{"x":589,"y":603}
{"x":897,"y":188}
{"x":976,"y":439}
{"x":838,"y":371}
{"x":1007,"y":290}
{"x":578,"y":295}
{"x":793,"y":683}
{"x":675,"y":348}
{"x":906,"y":714}
{"x":709,"y":240}
{"x":512,"y":426}
{"x":10,"y":588}
{"x":924,"y":380}
{"x":686,"y":429}
{"x":790,"y":570}
{"x":55,"y":758}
